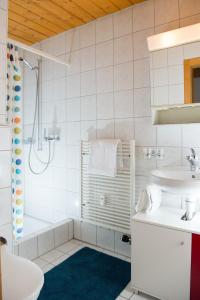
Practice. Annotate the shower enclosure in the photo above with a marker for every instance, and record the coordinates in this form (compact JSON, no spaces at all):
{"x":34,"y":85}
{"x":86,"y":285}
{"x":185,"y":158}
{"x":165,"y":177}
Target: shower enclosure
{"x":47,"y":199}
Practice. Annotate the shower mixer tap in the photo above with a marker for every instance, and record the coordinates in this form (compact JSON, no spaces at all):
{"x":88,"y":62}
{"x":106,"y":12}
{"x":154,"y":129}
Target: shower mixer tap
{"x":53,"y":134}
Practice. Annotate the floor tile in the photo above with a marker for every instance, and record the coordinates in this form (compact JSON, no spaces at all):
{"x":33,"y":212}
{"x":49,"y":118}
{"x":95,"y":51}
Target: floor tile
{"x":60,"y":259}
{"x":127,"y":292}
{"x":142,"y":297}
{"x":51,"y":255}
{"x":40,"y":262}
{"x":120,"y":298}
{"x":47,"y":268}
{"x":67,"y":247}
{"x":75,"y":249}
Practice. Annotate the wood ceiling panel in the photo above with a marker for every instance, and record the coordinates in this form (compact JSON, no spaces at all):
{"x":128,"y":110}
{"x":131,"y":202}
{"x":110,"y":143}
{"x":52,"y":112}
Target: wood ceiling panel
{"x":23,"y":12}
{"x":31,"y":21}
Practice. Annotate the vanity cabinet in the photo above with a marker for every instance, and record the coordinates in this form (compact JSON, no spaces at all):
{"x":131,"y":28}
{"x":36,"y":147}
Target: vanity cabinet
{"x":165,"y":259}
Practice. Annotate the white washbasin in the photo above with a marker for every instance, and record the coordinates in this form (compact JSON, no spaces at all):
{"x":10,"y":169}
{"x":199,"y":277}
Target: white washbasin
{"x":21,"y":278}
{"x":177,"y":179}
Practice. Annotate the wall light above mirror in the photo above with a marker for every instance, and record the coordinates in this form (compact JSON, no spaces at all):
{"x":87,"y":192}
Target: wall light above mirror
{"x":175,"y":75}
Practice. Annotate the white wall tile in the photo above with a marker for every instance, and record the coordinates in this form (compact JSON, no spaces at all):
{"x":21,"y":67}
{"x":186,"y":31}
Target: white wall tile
{"x":142,"y":102}
{"x":123,"y":104}
{"x":163,"y":6}
{"x":121,"y":247}
{"x":140,"y":43}
{"x":176,"y":74}
{"x":141,"y":73}
{"x":160,"y":77}
{"x":73,"y":133}
{"x":88,"y":130}
{"x":161,"y":95}
{"x":73,"y":109}
{"x":87,"y":35}
{"x":104,"y":29}
{"x":45,"y":242}
{"x":3,"y":61}
{"x":88,"y":83}
{"x":172,"y":157}
{"x":3,"y":25}
{"x":73,"y":86}
{"x":191,"y":140}
{"x":88,"y":58}
{"x":143,"y":166}
{"x":167,"y":26}
{"x":169,"y":136}
{"x":189,"y":7}
{"x":72,"y":39}
{"x":4,"y":4}
{"x":159,"y":59}
{"x":58,"y":43}
{"x":61,"y":235}
{"x":176,"y":94}
{"x":143,"y":15}
{"x":7,"y":233}
{"x":28,"y":249}
{"x":105,"y":238}
{"x":190,"y":20}
{"x":122,"y":22}
{"x":105,"y":129}
{"x":88,"y":233}
{"x":2,"y":96}
{"x":104,"y":54}
{"x":105,"y":106}
{"x":71,"y":229}
{"x":5,"y":141}
{"x":191,"y":50}
{"x":124,"y":129}
{"x":175,"y":56}
{"x":145,"y":132}
{"x":123,"y":76}
{"x":77,"y":229}
{"x":5,"y":163}
{"x":74,"y":62}
{"x":105,"y":80}
{"x":88,"y":108}
{"x":123,"y":49}
{"x":5,"y":206}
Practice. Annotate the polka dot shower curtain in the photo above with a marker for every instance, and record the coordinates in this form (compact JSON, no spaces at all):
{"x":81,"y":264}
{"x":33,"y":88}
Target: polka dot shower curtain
{"x":14,"y":115}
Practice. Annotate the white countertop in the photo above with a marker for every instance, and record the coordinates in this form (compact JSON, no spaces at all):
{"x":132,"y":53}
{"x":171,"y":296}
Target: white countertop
{"x":171,"y":218}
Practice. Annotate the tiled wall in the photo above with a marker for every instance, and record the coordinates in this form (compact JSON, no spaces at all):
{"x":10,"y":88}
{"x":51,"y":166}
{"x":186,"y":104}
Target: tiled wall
{"x":104,"y":93}
{"x":3,"y":36}
{"x":45,"y":242}
{"x":5,"y":137}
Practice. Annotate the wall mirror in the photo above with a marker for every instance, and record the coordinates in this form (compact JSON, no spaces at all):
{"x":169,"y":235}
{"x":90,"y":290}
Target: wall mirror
{"x":175,"y":77}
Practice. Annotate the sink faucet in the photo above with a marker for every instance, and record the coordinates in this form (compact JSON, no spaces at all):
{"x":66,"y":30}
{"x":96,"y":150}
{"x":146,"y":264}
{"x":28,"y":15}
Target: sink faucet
{"x":193,"y":160}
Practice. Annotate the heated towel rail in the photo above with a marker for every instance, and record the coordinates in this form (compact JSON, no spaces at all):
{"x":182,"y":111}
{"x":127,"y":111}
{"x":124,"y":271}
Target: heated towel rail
{"x":108,"y":201}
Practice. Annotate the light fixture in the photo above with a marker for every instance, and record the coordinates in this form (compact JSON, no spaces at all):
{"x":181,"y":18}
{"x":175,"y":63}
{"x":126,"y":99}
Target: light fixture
{"x":174,"y":38}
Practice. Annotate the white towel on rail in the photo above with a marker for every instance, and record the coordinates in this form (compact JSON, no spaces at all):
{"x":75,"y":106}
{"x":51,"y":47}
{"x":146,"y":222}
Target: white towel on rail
{"x":103,"y":157}
{"x":149,"y":199}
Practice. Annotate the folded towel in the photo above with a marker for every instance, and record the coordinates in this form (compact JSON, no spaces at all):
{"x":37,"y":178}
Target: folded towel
{"x":103,"y":157}
{"x":149,"y":199}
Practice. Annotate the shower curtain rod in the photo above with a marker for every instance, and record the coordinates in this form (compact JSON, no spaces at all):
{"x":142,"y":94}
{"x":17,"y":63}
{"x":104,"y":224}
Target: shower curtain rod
{"x":37,"y":52}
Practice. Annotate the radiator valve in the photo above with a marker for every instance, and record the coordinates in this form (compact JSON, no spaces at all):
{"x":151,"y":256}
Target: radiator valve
{"x":126,"y":238}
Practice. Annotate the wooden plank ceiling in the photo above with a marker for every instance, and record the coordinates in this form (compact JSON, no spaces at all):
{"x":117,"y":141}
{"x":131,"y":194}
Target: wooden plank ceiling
{"x":31,"y":21}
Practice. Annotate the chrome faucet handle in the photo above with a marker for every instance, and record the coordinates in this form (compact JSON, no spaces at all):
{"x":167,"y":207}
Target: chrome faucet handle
{"x":193,"y":152}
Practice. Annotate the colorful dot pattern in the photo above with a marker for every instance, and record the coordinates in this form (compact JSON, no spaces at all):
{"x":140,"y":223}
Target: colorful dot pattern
{"x":14,"y":117}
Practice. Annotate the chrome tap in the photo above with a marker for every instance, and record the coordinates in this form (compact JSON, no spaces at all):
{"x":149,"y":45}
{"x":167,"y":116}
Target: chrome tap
{"x":193,"y":160}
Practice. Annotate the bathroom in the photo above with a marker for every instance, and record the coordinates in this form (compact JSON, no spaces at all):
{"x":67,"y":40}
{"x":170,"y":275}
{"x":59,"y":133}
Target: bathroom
{"x":95,"y":71}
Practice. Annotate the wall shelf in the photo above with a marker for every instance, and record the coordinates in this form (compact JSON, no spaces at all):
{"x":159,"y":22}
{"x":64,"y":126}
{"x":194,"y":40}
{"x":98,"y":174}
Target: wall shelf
{"x":176,"y":114}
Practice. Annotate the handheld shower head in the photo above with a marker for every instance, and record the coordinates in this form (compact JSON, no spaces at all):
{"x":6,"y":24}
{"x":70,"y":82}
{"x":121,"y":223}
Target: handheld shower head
{"x":27,"y":64}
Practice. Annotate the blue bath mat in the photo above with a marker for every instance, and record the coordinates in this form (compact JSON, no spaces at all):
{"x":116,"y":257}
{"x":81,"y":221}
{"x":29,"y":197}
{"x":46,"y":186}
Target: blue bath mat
{"x":87,"y":275}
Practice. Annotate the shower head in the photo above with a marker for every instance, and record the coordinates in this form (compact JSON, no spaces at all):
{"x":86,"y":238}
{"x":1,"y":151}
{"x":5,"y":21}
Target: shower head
{"x":27,"y":64}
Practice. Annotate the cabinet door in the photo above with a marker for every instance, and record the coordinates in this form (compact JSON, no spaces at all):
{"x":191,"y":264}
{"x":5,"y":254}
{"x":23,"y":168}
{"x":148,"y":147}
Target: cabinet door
{"x":161,"y":261}
{"x":195,"y":268}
